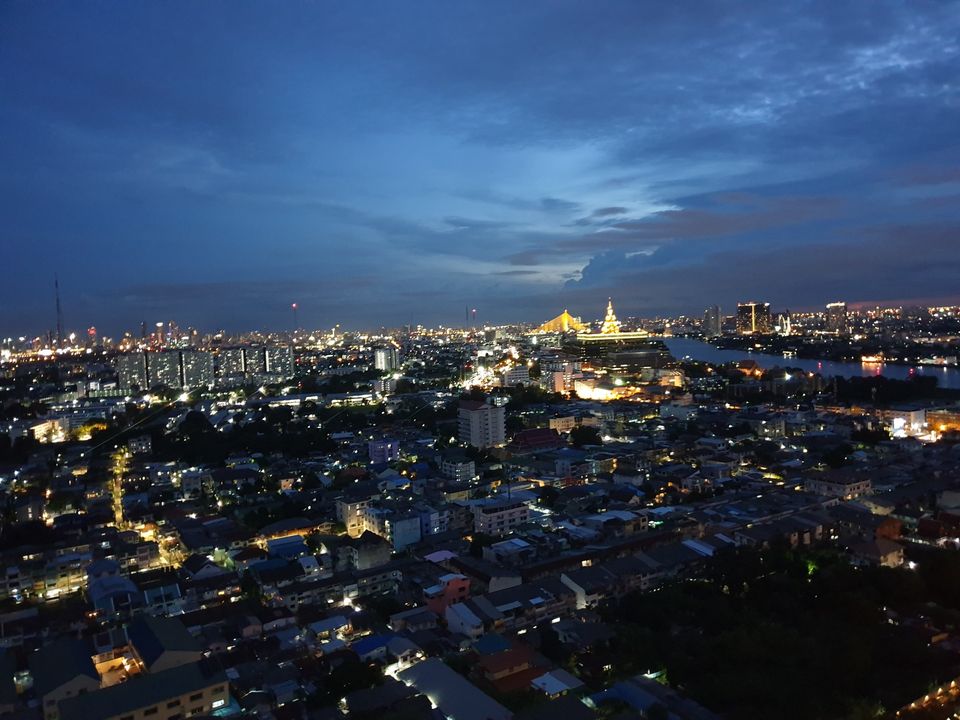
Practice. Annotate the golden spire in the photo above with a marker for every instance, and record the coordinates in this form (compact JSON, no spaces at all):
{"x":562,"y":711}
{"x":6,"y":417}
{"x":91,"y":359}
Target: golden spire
{"x":610,"y":323}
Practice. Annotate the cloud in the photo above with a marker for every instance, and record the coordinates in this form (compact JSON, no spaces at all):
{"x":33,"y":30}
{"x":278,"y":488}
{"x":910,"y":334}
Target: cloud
{"x":557,"y":205}
{"x":472,"y":224}
{"x":608,"y":211}
{"x":409,"y":156}
{"x":918,"y":257}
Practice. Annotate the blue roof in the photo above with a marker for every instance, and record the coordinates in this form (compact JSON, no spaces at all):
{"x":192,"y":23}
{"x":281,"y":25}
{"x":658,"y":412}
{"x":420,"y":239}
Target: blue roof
{"x":292,"y":546}
{"x":370,"y":643}
{"x":270,"y":564}
{"x":491,"y":644}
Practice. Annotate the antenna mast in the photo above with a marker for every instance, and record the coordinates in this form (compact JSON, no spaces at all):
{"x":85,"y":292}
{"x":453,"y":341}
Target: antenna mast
{"x":56,"y":290}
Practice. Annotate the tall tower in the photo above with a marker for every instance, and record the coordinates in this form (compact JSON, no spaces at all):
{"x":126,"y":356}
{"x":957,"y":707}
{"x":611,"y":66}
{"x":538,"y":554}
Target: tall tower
{"x":56,"y":292}
{"x":610,"y":323}
{"x":712,"y":321}
{"x":837,"y":318}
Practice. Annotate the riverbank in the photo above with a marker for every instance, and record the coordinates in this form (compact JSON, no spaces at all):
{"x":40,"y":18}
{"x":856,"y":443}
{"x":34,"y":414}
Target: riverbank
{"x":694,"y":349}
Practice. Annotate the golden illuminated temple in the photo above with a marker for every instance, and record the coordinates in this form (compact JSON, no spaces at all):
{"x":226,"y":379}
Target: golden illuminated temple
{"x":610,"y":323}
{"x":564,"y":322}
{"x":610,"y":331}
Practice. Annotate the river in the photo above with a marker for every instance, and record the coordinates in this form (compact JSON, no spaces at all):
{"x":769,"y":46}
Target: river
{"x":698,"y":350}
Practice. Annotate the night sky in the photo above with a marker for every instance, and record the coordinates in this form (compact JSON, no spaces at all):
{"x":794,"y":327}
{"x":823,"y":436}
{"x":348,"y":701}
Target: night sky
{"x":386,"y":163}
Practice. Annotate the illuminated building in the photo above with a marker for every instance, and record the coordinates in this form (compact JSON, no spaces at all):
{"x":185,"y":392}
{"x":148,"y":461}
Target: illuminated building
{"x":163,"y":368}
{"x":712,"y":321}
{"x":611,"y":339}
{"x":517,"y":375}
{"x":610,"y":331}
{"x":230,"y":362}
{"x":499,"y":517}
{"x":754,"y":318}
{"x":564,"y":322}
{"x":481,"y":424}
{"x":386,"y":359}
{"x":254,"y":361}
{"x":784,"y":323}
{"x":132,"y":370}
{"x":278,"y":360}
{"x":610,"y":324}
{"x":837,"y":318}
{"x":197,"y":368}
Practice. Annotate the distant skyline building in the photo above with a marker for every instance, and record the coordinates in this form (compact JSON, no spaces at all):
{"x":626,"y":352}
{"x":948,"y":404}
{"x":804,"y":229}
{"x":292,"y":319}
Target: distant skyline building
{"x":163,"y":368}
{"x":785,"y":323}
{"x":837,"y":318}
{"x":254,"y":361}
{"x":132,"y":370}
{"x":278,"y":360}
{"x":230,"y":362}
{"x":197,"y":368}
{"x":753,"y":318}
{"x":386,"y":359}
{"x":712,"y":321}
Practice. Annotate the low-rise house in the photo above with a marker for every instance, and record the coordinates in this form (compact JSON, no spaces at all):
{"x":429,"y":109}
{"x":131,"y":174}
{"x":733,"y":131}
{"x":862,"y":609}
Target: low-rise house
{"x":453,"y":694}
{"x":61,"y":670}
{"x":880,"y":552}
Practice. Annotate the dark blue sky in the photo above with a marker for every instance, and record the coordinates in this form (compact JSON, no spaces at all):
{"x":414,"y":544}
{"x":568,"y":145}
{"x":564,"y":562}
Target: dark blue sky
{"x":381,"y":163}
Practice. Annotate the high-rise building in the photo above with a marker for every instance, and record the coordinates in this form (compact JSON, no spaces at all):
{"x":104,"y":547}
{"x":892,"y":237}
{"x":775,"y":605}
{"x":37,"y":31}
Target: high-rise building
{"x":837,"y":318}
{"x":386,"y":359}
{"x":279,"y":360}
{"x":197,"y":368}
{"x":254,"y":361}
{"x":785,"y":323}
{"x":230,"y":362}
{"x":712,"y":321}
{"x":754,"y":318}
{"x":480,"y":424}
{"x":132,"y":370}
{"x":163,"y":368}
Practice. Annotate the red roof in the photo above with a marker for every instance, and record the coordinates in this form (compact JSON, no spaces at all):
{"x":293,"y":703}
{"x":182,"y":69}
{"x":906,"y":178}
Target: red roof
{"x":537,"y":438}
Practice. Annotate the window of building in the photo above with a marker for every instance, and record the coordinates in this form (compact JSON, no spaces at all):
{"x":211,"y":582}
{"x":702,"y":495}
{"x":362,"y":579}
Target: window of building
{"x":173,"y":704}
{"x":150,"y":711}
{"x":196,"y":696}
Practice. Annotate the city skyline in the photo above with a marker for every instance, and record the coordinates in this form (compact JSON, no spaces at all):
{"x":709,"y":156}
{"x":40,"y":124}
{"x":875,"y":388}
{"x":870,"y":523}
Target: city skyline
{"x":148,"y":328}
{"x":392,"y":165}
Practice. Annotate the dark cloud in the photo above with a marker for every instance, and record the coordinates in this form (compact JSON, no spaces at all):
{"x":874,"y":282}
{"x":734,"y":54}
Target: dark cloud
{"x":396,"y":154}
{"x":919,"y":256}
{"x":526,"y":257}
{"x":608,"y":211}
{"x":471,"y":224}
{"x":558,"y":205}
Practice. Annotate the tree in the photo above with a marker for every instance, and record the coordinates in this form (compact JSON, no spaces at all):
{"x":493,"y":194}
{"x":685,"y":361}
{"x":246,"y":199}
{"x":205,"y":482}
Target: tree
{"x":658,"y":711}
{"x":479,"y":542}
{"x":249,"y":586}
{"x":549,"y":496}
{"x":585,"y":435}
